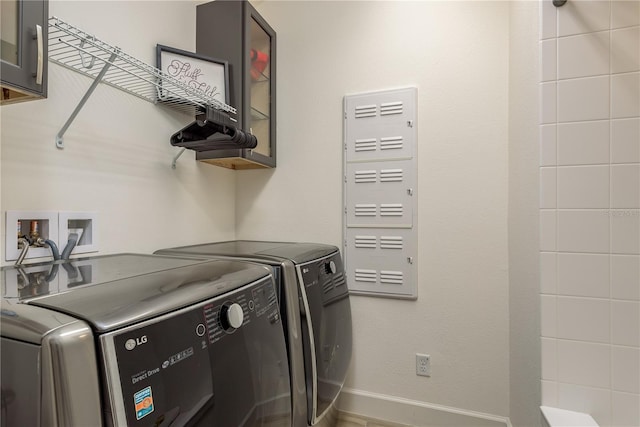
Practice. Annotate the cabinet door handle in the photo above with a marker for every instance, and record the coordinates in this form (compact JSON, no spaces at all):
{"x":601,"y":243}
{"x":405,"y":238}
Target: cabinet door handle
{"x":40,"y":66}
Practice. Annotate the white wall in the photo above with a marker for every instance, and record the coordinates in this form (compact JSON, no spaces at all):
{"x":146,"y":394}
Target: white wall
{"x":117,"y":155}
{"x":524,"y":307}
{"x":456,"y":53}
{"x":590,"y":209}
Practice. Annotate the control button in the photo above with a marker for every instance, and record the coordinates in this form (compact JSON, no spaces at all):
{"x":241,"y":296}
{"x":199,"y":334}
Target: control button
{"x":200,"y":330}
{"x":330,"y":267}
{"x":231,"y":316}
{"x":275,"y":318}
{"x":251,"y":305}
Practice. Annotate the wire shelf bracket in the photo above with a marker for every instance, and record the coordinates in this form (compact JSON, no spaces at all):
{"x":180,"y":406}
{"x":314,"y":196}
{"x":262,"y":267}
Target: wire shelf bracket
{"x":79,"y":51}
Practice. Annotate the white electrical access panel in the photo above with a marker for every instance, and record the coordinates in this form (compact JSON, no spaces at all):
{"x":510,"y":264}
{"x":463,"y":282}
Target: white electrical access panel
{"x":380,"y":193}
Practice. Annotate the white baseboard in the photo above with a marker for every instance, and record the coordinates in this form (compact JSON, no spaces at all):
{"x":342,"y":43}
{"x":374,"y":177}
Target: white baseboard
{"x":413,"y":412}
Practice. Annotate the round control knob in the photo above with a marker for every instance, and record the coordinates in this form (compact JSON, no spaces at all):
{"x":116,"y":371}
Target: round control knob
{"x":200,"y":329}
{"x":231,"y":316}
{"x":330,"y":267}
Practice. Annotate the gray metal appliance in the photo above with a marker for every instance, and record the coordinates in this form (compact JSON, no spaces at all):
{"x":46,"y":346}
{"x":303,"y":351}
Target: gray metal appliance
{"x":317,"y":313}
{"x":142,"y":340}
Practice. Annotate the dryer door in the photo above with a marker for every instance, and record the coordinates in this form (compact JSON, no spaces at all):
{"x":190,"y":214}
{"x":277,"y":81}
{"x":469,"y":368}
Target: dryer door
{"x":222,"y":362}
{"x":327,"y":337}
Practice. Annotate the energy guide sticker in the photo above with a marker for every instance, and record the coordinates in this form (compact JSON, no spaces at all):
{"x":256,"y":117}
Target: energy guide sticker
{"x":143,"y":401}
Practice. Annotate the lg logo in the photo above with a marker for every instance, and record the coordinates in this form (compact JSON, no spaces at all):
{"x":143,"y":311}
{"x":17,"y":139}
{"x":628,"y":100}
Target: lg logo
{"x":130,"y":344}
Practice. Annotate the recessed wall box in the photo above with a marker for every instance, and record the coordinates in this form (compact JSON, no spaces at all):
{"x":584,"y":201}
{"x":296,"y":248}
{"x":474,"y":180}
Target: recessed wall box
{"x":84,"y":224}
{"x":29,"y":223}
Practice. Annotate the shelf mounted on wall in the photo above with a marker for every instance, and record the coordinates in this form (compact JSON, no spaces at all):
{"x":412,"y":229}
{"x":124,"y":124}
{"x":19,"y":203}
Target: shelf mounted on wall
{"x":79,"y":51}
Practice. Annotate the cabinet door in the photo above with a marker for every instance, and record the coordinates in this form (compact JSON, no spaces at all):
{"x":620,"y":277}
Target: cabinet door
{"x":260,"y":86}
{"x":24,"y":46}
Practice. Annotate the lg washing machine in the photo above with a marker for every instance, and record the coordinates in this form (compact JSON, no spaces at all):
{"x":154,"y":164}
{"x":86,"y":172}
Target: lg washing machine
{"x":142,"y":340}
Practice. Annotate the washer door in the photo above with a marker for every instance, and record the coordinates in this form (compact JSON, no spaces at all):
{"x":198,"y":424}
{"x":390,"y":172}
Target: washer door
{"x":327,"y":337}
{"x":222,"y":362}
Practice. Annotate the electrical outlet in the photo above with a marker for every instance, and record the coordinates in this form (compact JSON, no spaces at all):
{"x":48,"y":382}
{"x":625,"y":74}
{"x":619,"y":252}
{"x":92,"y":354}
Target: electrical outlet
{"x":423,"y":365}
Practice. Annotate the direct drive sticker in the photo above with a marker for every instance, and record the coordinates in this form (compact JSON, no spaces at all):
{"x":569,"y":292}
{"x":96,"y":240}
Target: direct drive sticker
{"x":143,"y":402}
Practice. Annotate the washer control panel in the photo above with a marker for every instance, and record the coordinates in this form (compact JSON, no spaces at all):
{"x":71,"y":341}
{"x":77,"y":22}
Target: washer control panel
{"x":226,"y":317}
{"x":154,"y":358}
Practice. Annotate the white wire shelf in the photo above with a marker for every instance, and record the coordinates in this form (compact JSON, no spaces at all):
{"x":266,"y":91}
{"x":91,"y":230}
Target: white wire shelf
{"x":79,"y":51}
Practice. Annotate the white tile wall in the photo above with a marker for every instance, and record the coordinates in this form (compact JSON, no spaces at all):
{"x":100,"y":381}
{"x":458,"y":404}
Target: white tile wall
{"x":577,"y":360}
{"x":626,"y":409}
{"x":583,"y":187}
{"x":593,"y":401}
{"x":625,"y":186}
{"x":625,"y":231}
{"x":577,"y":17}
{"x":585,"y":319}
{"x":548,"y":272}
{"x":583,"y":143}
{"x":582,"y":99}
{"x":624,"y":13}
{"x":548,"y":63}
{"x":625,"y":140}
{"x":625,"y":277}
{"x":548,"y":235}
{"x":583,"y":231}
{"x":590,"y":222}
{"x":548,"y":188}
{"x":625,"y":50}
{"x":583,"y":55}
{"x":549,"y":393}
{"x":583,"y":275}
{"x":549,"y":348}
{"x":548,"y":97}
{"x":625,"y":95}
{"x":625,"y":369}
{"x":548,"y":146}
{"x":548,"y":310}
{"x":625,"y":323}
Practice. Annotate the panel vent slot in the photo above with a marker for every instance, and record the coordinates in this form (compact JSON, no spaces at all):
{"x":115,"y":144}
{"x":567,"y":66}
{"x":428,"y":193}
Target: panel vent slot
{"x":339,"y":280}
{"x":366,"y":111}
{"x":368,"y":144}
{"x":363,"y":275}
{"x":391,"y":143}
{"x":391,"y":277}
{"x":391,"y":209}
{"x":366,"y":242}
{"x":327,"y":286}
{"x":366,"y":176}
{"x":391,"y":175}
{"x":389,"y":108}
{"x":391,"y":242}
{"x":365,"y":209}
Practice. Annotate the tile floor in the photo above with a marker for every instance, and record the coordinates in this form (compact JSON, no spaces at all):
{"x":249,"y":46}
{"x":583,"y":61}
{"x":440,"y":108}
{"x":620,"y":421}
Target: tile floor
{"x":352,"y":420}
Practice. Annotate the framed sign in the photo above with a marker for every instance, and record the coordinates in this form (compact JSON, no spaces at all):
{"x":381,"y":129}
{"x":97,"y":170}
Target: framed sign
{"x":209,"y":75}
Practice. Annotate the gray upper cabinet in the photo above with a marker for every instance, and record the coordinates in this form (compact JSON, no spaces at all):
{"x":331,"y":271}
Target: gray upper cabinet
{"x":234,"y":31}
{"x":23,"y":72}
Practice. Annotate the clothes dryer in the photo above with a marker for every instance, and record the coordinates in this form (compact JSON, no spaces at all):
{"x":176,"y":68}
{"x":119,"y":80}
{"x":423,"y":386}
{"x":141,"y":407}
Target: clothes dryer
{"x":142,"y":340}
{"x":314,"y":301}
